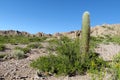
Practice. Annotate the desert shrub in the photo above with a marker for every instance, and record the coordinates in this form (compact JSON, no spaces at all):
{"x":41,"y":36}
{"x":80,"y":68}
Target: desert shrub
{"x":20,"y":39}
{"x":52,"y":45}
{"x":115,"y":39}
{"x":2,"y":47}
{"x":35,"y":45}
{"x":109,"y":38}
{"x":25,"y":50}
{"x":95,"y":41}
{"x":116,"y":58}
{"x":96,"y":63}
{"x":69,"y":59}
{"x":18,"y":54}
{"x":51,"y":63}
{"x":105,"y":40}
{"x":115,"y":66}
{"x":17,"y":47}
{"x":3,"y":39}
{"x":2,"y":55}
{"x":36,"y":39}
{"x":14,"y":39}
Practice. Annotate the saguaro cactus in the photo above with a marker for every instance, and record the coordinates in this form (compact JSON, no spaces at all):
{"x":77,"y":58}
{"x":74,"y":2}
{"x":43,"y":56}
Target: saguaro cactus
{"x":85,"y":32}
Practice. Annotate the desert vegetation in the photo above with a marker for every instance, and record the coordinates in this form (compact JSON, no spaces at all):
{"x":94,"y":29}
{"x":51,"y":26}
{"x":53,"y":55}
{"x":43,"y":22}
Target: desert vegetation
{"x":18,"y":52}
{"x":20,"y":39}
{"x":73,"y":56}
{"x":2,"y":47}
{"x":68,"y":59}
{"x":59,"y":56}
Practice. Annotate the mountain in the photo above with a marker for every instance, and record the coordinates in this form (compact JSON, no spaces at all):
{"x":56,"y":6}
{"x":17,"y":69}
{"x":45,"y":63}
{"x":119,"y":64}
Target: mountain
{"x":99,"y":30}
{"x":22,"y":33}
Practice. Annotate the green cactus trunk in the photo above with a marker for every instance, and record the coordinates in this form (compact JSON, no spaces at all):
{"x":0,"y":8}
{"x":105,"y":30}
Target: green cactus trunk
{"x":85,"y":32}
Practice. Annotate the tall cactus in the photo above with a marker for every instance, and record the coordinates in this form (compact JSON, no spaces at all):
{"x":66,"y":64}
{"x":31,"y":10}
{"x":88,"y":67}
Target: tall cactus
{"x":85,"y":32}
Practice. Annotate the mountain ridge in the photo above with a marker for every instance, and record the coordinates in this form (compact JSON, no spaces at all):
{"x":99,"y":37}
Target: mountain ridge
{"x":99,"y":30}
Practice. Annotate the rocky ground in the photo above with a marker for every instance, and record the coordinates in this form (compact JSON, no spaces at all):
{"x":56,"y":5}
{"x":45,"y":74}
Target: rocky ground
{"x":14,"y":69}
{"x":20,"y":70}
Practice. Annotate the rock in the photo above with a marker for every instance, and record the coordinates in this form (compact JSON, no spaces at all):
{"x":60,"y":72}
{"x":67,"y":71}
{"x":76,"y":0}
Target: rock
{"x":22,"y":33}
{"x":23,"y":77}
{"x":39,"y":34}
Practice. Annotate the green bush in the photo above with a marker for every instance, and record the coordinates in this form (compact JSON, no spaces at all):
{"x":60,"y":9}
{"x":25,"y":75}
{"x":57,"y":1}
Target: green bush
{"x":34,"y":45}
{"x":107,"y":39}
{"x":2,"y":47}
{"x":36,"y":39}
{"x":115,"y":66}
{"x":52,"y":44}
{"x":18,"y":54}
{"x":69,"y":60}
{"x":52,"y":64}
{"x":25,"y":50}
{"x":115,"y":39}
{"x":20,"y":39}
{"x":97,"y":40}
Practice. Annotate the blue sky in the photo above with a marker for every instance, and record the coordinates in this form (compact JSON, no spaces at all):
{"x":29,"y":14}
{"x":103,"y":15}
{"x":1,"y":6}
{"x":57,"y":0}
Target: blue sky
{"x":51,"y":16}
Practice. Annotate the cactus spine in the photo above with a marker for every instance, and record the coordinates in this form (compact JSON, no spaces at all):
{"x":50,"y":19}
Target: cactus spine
{"x":85,"y":32}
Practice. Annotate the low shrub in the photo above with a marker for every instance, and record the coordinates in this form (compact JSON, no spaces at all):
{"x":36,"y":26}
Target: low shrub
{"x":53,"y":64}
{"x":34,"y":45}
{"x":115,"y":39}
{"x":37,"y":39}
{"x":95,"y":41}
{"x":20,"y":39}
{"x":16,"y":48}
{"x":105,"y":40}
{"x":25,"y":50}
{"x":69,"y":60}
{"x":2,"y":47}
{"x":115,"y":66}
{"x":18,"y":54}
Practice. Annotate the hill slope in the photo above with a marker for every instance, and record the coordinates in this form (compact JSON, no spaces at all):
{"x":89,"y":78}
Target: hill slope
{"x":19,"y":69}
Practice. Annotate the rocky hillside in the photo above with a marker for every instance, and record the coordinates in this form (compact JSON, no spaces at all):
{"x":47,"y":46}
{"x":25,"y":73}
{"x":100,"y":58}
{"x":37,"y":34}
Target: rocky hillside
{"x":99,"y":30}
{"x":23,"y":33}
